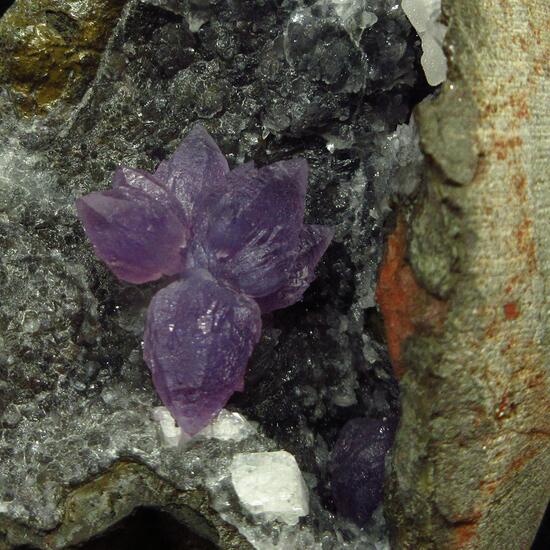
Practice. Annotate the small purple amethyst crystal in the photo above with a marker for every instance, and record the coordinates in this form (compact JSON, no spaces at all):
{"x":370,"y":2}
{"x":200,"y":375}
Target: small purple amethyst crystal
{"x":357,"y":466}
{"x":235,"y":242}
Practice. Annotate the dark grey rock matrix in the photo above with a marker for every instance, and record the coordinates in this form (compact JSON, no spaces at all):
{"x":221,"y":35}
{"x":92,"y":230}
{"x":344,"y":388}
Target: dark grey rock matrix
{"x":269,"y":80}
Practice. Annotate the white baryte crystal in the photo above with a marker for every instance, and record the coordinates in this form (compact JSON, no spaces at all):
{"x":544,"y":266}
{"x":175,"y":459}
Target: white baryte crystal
{"x":270,"y":485}
{"x":424,"y":15}
{"x":227,"y":426}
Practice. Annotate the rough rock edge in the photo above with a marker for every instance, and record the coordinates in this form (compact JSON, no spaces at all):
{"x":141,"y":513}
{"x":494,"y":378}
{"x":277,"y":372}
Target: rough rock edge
{"x":123,"y":488}
{"x":471,"y":464}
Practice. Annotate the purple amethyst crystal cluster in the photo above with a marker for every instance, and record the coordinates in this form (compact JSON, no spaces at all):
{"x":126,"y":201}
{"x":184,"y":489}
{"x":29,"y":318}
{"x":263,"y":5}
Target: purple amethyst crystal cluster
{"x":235,"y":246}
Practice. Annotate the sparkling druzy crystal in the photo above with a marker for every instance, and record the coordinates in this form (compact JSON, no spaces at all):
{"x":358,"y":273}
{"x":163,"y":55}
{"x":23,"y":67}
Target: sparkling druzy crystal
{"x":357,"y":466}
{"x":237,"y":247}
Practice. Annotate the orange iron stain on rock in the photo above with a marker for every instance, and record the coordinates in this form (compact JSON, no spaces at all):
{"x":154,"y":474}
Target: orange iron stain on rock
{"x":511,"y":311}
{"x":406,"y":307}
{"x":464,"y":534}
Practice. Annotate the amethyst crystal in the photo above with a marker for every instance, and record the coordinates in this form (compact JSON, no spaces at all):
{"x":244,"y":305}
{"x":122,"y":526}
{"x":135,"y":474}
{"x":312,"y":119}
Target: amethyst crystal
{"x":357,"y":466}
{"x":235,"y":242}
{"x":198,"y":338}
{"x":138,"y":228}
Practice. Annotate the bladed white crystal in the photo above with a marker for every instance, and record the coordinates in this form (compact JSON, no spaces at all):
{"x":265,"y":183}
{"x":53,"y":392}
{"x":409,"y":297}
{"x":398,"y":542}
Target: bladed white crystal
{"x":170,"y":433}
{"x":424,"y":17}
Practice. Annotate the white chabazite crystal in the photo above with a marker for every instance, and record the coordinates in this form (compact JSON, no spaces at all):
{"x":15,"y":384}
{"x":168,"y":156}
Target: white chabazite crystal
{"x":355,"y":15}
{"x":270,"y":485}
{"x":424,"y":15}
{"x":227,"y":426}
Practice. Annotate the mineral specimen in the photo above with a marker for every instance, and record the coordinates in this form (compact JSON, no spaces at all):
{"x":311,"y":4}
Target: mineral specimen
{"x":270,"y":485}
{"x":229,"y":237}
{"x":137,"y":228}
{"x":357,"y":466}
{"x":77,"y":398}
{"x":199,"y":335}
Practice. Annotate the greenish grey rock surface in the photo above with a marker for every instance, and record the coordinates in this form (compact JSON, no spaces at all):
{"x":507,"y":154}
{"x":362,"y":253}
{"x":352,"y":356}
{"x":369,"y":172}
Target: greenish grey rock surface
{"x":103,"y":501}
{"x":471,"y":463}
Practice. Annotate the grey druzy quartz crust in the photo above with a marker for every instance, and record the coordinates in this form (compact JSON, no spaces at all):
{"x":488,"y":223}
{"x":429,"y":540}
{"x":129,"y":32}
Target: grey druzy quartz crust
{"x":75,"y":396}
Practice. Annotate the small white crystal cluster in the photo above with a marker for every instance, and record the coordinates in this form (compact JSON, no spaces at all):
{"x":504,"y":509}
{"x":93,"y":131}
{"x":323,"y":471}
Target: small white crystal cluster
{"x":424,"y":17}
{"x":355,"y":16}
{"x":227,"y":426}
{"x":270,"y":485}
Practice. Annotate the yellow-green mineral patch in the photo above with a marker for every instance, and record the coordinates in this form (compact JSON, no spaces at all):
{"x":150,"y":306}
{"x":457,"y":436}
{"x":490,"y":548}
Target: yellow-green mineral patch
{"x":51,"y":48}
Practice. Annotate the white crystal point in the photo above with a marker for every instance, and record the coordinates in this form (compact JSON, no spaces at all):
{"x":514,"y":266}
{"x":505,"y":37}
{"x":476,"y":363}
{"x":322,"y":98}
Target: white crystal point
{"x":170,"y":433}
{"x":270,"y":485}
{"x":227,"y":426}
{"x":424,"y":15}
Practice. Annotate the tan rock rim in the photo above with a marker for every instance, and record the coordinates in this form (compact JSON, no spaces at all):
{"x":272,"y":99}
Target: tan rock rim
{"x":471,"y":463}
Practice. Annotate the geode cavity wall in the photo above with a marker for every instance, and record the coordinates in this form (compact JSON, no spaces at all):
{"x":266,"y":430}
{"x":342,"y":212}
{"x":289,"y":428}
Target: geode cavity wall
{"x":471,"y":467}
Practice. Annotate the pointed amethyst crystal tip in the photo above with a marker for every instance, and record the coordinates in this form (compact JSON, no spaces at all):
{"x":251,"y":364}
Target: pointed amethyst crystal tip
{"x":197,"y":342}
{"x":236,"y":243}
{"x":137,"y":228}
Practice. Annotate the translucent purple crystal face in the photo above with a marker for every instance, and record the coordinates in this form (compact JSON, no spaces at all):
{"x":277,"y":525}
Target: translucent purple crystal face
{"x":357,"y":466}
{"x":237,"y":244}
{"x":198,"y":338}
{"x":138,"y":228}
